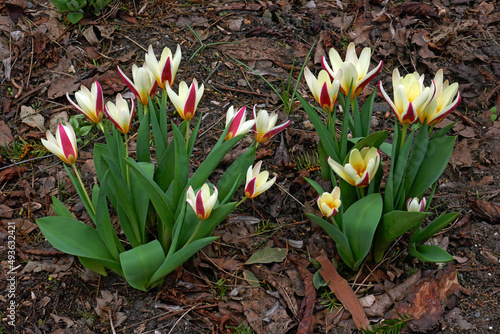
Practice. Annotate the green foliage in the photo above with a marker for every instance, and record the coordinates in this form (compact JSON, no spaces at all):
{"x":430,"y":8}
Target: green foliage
{"x":329,"y":301}
{"x":392,"y":326}
{"x":241,"y":329}
{"x":75,"y":9}
{"x":494,"y":115}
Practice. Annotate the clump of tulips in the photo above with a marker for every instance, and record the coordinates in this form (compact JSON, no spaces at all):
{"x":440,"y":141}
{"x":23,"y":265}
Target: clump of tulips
{"x":360,"y":216}
{"x":183,"y":209}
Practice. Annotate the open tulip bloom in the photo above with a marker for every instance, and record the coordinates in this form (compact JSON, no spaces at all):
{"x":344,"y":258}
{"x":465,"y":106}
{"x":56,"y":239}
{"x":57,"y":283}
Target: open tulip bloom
{"x":202,"y":203}
{"x":89,"y":102}
{"x":187,"y":101}
{"x":63,"y":145}
{"x":323,"y":89}
{"x":166,"y":68}
{"x":361,"y":168}
{"x":410,"y":96}
{"x":236,"y":122}
{"x":257,"y":181}
{"x":264,"y":127}
{"x":355,"y":70}
{"x":120,"y":114}
{"x":443,"y":101}
{"x":143,"y":84}
{"x":329,"y":203}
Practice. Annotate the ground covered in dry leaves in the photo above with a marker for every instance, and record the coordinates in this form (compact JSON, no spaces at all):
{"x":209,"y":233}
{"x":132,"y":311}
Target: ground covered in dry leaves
{"x":44,"y":57}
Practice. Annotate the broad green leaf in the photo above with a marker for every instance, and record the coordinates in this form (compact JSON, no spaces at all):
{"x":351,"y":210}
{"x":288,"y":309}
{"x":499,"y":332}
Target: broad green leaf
{"x":75,"y":17}
{"x":393,"y":225}
{"x":366,"y":113}
{"x":60,"y":209}
{"x":160,"y":136}
{"x":181,"y":163}
{"x":73,"y":237}
{"x":338,"y":237}
{"x":194,"y":135}
{"x":93,"y":265}
{"x":434,"y":227}
{"x":175,"y":260}
{"x":315,"y":185}
{"x":326,"y":136}
{"x":429,"y":253}
{"x":61,"y":5}
{"x":442,"y":132}
{"x":399,"y":172}
{"x":319,"y":281}
{"x":140,"y":196}
{"x":417,"y":155}
{"x":235,"y":175}
{"x":360,"y":223}
{"x":347,"y":191}
{"x":267,"y":255}
{"x":250,"y":278}
{"x":164,"y":173}
{"x":436,"y":158}
{"x":141,"y":262}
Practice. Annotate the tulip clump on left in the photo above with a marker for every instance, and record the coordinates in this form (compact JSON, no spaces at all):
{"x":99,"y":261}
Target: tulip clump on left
{"x":183,"y":209}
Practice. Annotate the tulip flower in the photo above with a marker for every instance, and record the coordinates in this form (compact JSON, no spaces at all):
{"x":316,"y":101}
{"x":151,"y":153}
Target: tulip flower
{"x":414,"y":205}
{"x":355,"y":71}
{"x":63,"y":145}
{"x":265,"y":125}
{"x":256,"y":182}
{"x":202,"y":203}
{"x":323,"y":89}
{"x":442,"y":103}
{"x":236,"y":122}
{"x":361,"y":168}
{"x":143,"y":84}
{"x":329,"y":203}
{"x":164,"y":70}
{"x":120,"y":114}
{"x":89,"y":102}
{"x":187,"y":100}
{"x":410,"y":96}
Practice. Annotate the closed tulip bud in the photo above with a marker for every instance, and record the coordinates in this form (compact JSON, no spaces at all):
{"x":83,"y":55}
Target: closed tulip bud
{"x":256,"y":182}
{"x":414,"y":205}
{"x":236,"y":122}
{"x":202,"y":203}
{"x":355,"y":70}
{"x":264,"y":127}
{"x":323,"y":89}
{"x":63,"y":145}
{"x":187,"y":101}
{"x":166,"y":68}
{"x":89,"y":102}
{"x":410,"y":96}
{"x":120,"y":114}
{"x":360,"y":169}
{"x":329,"y":203}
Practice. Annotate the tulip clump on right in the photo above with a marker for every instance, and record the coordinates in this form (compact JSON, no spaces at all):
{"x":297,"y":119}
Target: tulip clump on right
{"x":370,"y":217}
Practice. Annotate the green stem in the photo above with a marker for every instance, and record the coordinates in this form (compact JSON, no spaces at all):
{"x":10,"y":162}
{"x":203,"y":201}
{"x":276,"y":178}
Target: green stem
{"x":99,"y":125}
{"x":361,"y":192}
{"x":240,"y":202}
{"x":403,"y":137}
{"x":83,"y":187}
{"x":187,"y":135}
{"x":194,"y":233}
{"x":125,"y":142}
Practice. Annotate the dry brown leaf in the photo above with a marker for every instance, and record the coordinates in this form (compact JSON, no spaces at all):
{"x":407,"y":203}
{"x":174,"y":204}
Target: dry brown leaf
{"x":461,"y":156}
{"x":486,"y":210}
{"x":415,"y":9}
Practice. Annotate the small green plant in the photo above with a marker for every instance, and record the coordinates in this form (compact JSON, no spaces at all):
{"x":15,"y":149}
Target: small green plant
{"x":82,"y":128}
{"x":221,"y":288}
{"x":241,"y":329}
{"x":494,"y":115}
{"x":392,"y":326}
{"x":329,"y":301}
{"x":22,"y":149}
{"x":75,"y":9}
{"x":203,"y":45}
{"x":309,"y":161}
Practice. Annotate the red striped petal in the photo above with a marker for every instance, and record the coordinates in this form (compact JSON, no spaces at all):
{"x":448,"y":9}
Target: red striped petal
{"x":67,"y":146}
{"x":200,"y":206}
{"x":250,"y":188}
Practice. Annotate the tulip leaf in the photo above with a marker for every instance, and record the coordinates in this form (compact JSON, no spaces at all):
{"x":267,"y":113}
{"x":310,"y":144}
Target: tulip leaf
{"x":429,"y":253}
{"x":212,"y":161}
{"x":93,"y":265}
{"x":358,"y":126}
{"x":73,"y":237}
{"x":434,"y":227}
{"x":360,"y":223}
{"x":417,"y":155}
{"x":442,"y":132}
{"x":366,"y":113}
{"x":340,"y":239}
{"x":436,"y":158}
{"x":160,"y":134}
{"x":374,"y":140}
{"x":181,"y":161}
{"x":175,"y":260}
{"x":399,"y":172}
{"x":315,"y":185}
{"x":60,"y":209}
{"x":143,"y":149}
{"x":326,"y":137}
{"x":392,"y":226}
{"x":141,"y":262}
{"x":235,"y":175}
{"x":161,"y":202}
{"x":164,"y":173}
{"x":267,"y":255}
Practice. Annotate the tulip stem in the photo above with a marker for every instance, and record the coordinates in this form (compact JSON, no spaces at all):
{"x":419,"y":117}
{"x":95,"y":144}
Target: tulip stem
{"x":83,"y":187}
{"x":194,"y":233}
{"x":187,"y":135}
{"x":99,"y":125}
{"x":361,"y":192}
{"x":125,"y":142}
{"x":240,"y":202}
{"x":403,"y":137}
